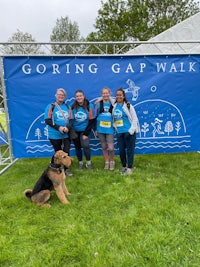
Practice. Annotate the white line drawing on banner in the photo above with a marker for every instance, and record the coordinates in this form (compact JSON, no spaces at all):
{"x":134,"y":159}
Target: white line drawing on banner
{"x":157,"y":127}
{"x":153,"y":88}
{"x":155,"y":112}
{"x":132,"y":89}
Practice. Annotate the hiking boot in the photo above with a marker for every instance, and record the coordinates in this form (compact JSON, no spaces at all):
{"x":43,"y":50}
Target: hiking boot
{"x":106,"y":167}
{"x":68,"y":173}
{"x":112,"y":166}
{"x":80,"y":166}
{"x":89,"y":166}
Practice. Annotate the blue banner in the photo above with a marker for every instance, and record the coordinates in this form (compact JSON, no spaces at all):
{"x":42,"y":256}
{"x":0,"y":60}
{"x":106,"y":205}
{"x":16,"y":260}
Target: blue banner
{"x":163,"y":89}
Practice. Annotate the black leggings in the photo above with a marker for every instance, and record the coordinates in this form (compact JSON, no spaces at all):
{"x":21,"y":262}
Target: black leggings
{"x":80,"y":144}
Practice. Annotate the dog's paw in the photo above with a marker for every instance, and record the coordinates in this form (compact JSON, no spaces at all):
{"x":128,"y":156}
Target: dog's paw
{"x":46,"y":205}
{"x":66,"y":202}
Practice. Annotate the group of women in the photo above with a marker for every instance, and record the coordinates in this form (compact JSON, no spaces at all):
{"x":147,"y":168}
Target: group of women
{"x":106,"y":117}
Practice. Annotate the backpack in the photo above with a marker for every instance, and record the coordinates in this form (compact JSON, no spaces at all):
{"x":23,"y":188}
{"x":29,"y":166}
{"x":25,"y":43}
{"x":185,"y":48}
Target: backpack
{"x":111,"y":107}
{"x":101,"y":109}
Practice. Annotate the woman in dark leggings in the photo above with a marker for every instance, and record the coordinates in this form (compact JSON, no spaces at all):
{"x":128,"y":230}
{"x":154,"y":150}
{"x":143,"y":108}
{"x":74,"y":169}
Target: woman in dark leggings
{"x":83,"y":117}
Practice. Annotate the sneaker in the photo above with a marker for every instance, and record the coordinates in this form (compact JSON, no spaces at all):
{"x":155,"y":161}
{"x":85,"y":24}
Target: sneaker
{"x":123,"y":170}
{"x":80,"y":166}
{"x":112,"y":166}
{"x":106,"y":167}
{"x":127,"y":172}
{"x":68,"y":172}
{"x":88,"y":166}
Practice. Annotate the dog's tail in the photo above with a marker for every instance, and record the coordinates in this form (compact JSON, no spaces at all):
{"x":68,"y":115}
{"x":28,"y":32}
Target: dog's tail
{"x":28,"y":193}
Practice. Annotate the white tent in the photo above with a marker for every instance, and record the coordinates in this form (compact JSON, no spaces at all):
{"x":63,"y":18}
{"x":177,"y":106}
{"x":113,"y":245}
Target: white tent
{"x":183,"y":38}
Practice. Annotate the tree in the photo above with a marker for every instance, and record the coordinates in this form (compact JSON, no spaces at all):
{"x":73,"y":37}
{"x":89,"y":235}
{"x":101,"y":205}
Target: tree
{"x":65,"y":31}
{"x":126,"y":20}
{"x":21,"y":48}
{"x":169,"y":127}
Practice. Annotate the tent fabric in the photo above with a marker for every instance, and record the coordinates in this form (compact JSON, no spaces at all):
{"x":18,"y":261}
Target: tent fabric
{"x":187,"y":30}
{"x":3,"y":139}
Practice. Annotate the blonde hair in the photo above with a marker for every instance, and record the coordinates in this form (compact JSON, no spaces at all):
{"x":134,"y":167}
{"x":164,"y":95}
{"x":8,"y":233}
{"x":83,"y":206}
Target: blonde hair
{"x":105,"y":88}
{"x":61,"y":90}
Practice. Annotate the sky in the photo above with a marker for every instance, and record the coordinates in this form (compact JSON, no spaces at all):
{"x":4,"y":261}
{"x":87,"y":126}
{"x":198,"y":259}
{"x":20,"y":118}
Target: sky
{"x":38,"y":17}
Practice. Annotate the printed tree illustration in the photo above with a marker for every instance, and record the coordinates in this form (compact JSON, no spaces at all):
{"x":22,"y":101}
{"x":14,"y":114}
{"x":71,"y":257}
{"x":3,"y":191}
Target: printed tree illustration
{"x":38,"y":133}
{"x":177,"y":127}
{"x":169,"y":127}
{"x":145,"y":128}
{"x":46,"y":131}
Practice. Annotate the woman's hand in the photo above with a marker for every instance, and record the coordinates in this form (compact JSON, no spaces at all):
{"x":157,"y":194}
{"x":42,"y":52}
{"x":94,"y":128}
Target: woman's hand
{"x":84,"y":137}
{"x":63,"y":129}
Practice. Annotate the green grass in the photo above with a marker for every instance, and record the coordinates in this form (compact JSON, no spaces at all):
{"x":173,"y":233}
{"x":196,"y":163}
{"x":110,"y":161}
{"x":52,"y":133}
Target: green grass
{"x":151,"y":218}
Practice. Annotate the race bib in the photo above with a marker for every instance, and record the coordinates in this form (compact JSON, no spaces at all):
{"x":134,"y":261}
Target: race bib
{"x":119,"y":123}
{"x":105,"y":124}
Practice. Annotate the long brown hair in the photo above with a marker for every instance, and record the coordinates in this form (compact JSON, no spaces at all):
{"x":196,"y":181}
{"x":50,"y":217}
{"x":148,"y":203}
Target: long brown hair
{"x":85,"y":102}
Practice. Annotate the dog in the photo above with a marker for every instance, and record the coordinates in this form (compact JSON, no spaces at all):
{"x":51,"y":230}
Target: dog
{"x":53,"y":178}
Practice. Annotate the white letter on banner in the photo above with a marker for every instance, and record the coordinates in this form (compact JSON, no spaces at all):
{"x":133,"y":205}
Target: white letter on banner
{"x":182,"y":67}
{"x":55,"y":68}
{"x":191,"y":66}
{"x":26,"y":68}
{"x":161,"y":66}
{"x":67,"y":68}
{"x":129,"y":68}
{"x":93,"y":70}
{"x":173,"y":68}
{"x":79,"y":69}
{"x":38,"y":68}
{"x":142,"y":66}
{"x":117,"y":70}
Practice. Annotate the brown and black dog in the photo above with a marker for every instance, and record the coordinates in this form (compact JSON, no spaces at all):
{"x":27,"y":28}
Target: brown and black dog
{"x":53,"y":178}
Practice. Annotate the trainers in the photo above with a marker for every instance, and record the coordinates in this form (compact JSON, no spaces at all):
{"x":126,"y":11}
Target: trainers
{"x":80,"y":166}
{"x":88,"y":166}
{"x":112,"y":166}
{"x":106,"y":167}
{"x":127,"y":172}
{"x":123,"y":170}
{"x":68,"y":172}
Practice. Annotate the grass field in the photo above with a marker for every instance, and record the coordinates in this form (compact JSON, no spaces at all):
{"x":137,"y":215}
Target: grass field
{"x":151,"y":218}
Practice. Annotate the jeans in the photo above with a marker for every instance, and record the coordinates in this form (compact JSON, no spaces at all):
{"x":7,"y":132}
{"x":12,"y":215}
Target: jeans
{"x":79,"y":143}
{"x":126,"y":145}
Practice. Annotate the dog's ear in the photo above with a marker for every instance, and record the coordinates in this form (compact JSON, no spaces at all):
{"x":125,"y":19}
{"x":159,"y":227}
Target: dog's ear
{"x":71,"y":160}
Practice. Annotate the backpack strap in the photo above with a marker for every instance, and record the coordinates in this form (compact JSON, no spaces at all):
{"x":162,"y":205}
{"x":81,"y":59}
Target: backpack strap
{"x":101,"y":109}
{"x":52,"y":108}
{"x":111,"y":108}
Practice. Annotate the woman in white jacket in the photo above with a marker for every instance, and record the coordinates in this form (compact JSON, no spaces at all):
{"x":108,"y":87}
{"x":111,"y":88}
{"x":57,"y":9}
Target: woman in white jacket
{"x":126,"y":125}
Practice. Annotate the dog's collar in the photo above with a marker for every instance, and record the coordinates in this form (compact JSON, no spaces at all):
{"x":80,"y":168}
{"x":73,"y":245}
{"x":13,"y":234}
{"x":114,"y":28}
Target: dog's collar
{"x":56,"y":167}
